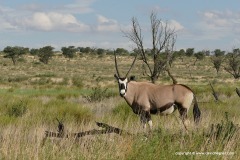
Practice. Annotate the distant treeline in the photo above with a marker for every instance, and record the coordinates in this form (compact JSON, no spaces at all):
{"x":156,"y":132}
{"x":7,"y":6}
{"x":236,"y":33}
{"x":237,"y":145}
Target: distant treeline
{"x":230,"y":61}
{"x":71,"y":51}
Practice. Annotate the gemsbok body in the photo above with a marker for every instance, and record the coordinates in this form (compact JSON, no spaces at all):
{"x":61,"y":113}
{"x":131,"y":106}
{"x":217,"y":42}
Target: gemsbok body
{"x":146,"y":98}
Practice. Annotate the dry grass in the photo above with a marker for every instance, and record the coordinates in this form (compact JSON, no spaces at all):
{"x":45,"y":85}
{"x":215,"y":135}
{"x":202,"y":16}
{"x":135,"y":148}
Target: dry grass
{"x":33,"y":95}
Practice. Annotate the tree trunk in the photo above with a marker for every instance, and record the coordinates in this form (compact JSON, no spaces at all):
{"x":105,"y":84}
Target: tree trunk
{"x":194,"y":63}
{"x":214,"y":92}
{"x":154,"y":75}
{"x":14,"y":61}
{"x":154,"y":79}
{"x":171,"y":76}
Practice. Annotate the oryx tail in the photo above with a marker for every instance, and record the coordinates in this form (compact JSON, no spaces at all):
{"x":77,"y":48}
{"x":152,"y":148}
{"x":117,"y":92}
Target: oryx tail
{"x":196,"y":111}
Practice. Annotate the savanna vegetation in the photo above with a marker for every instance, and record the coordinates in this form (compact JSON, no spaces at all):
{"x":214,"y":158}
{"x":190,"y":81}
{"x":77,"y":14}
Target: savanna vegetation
{"x":80,"y":89}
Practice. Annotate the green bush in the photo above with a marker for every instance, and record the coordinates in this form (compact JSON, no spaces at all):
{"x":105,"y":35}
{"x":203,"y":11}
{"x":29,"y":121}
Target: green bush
{"x":47,"y":74}
{"x":97,"y":94}
{"x":41,"y":81}
{"x":17,"y":79}
{"x":222,"y":133}
{"x":17,"y":109}
{"x":77,"y":81}
{"x":67,"y":111}
{"x":21,"y":59}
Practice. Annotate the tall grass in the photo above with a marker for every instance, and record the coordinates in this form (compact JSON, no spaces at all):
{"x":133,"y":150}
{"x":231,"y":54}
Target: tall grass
{"x":33,"y":95}
{"x":25,"y":142}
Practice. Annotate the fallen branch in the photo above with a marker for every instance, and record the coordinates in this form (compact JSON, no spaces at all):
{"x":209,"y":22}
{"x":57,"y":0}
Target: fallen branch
{"x":106,"y":129}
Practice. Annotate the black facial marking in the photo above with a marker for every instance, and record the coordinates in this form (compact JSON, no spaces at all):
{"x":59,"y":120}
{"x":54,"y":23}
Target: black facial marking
{"x":121,"y":86}
{"x":122,"y":79}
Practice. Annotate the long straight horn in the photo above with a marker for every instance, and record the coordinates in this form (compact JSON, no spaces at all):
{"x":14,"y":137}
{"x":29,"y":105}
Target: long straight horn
{"x":132,"y":65}
{"x":116,"y":64}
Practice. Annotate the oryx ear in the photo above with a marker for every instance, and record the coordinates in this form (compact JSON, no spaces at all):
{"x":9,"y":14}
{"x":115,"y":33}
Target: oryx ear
{"x":116,"y":76}
{"x":132,"y":78}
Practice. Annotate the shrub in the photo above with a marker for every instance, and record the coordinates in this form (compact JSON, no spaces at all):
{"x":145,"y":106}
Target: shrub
{"x":67,"y":111}
{"x":66,"y":95}
{"x":77,"y":81}
{"x":41,"y":81}
{"x":17,"y":79}
{"x":17,"y":109}
{"x":97,"y":94}
{"x":21,"y":59}
{"x":64,"y":81}
{"x":222,"y":133}
{"x":47,"y":74}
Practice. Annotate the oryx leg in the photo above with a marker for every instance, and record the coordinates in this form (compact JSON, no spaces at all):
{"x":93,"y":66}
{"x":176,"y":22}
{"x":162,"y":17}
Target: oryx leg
{"x":145,"y":118}
{"x":183,"y":115}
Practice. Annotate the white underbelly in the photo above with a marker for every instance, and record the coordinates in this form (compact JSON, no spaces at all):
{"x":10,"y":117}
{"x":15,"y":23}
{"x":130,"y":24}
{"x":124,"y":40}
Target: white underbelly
{"x":168,"y":111}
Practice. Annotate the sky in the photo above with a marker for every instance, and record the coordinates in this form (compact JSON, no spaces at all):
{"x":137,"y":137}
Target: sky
{"x":199,"y":24}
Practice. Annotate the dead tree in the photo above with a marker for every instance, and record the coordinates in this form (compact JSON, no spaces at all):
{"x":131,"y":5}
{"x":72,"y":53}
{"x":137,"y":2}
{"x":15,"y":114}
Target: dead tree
{"x":163,"y":42}
{"x":214,"y":92}
{"x":171,"y":76}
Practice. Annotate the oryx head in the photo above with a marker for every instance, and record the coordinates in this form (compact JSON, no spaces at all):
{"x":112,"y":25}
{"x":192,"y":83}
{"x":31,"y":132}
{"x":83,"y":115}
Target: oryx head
{"x":122,"y":81}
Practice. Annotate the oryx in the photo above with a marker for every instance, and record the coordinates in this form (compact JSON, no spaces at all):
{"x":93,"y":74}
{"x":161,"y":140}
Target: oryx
{"x":146,"y":98}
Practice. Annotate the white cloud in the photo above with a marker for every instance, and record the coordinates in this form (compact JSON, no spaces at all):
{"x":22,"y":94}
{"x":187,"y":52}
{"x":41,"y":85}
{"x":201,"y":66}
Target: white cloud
{"x":61,"y":18}
{"x":45,"y":21}
{"x":105,"y":24}
{"x":175,"y":25}
{"x":35,"y":16}
{"x":215,"y":26}
{"x":39,"y":21}
{"x":7,"y":25}
{"x":5,"y":12}
{"x":54,"y":21}
{"x":221,"y":20}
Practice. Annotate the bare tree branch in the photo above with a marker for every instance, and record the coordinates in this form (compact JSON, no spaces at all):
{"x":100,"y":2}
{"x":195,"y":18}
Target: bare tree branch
{"x":163,"y":41}
{"x":136,"y":37}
